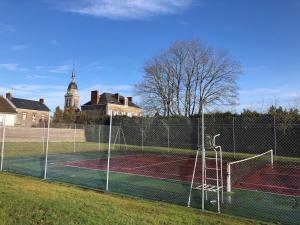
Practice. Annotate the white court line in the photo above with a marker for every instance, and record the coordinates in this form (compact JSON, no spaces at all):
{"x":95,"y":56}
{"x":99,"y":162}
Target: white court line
{"x":282,"y":174}
{"x":84,"y":160}
{"x":153,"y":164}
{"x":132,"y":174}
{"x":267,"y":185}
{"x":268,"y":192}
{"x":287,"y":167}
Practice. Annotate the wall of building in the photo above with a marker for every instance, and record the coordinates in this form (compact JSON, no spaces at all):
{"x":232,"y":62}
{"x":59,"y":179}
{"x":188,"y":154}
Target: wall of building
{"x":9,"y":119}
{"x":32,"y":118}
{"x":123,"y":110}
{"x":95,"y":113}
{"x":25,"y":134}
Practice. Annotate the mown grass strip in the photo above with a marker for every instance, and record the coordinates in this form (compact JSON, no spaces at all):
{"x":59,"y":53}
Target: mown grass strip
{"x":25,"y":201}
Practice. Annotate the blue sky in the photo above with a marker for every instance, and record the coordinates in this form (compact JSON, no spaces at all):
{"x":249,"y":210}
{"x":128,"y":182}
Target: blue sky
{"x":109,"y":40}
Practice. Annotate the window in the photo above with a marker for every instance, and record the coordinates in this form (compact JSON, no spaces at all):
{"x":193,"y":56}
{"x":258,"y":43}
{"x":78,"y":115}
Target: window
{"x":33,"y":117}
{"x":43,"y":117}
{"x":24,"y":116}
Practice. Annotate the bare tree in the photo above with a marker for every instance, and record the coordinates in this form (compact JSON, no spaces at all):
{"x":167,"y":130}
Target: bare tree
{"x":178,"y":80}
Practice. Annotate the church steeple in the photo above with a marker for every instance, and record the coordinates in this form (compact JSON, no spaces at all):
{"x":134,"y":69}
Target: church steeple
{"x":73,"y":73}
{"x":72,"y":97}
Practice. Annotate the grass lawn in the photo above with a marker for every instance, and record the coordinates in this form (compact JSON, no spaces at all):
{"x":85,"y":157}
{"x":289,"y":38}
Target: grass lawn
{"x":25,"y":200}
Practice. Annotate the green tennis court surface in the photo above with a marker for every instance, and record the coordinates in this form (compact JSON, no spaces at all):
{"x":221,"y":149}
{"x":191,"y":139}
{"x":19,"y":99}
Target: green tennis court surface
{"x":247,"y":203}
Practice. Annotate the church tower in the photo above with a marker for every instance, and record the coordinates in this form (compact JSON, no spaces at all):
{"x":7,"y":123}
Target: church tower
{"x":72,"y":97}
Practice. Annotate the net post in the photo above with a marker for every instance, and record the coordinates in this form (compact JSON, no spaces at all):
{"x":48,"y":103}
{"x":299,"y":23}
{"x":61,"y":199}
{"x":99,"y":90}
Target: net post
{"x":47,"y":147}
{"x":109,"y":149}
{"x":272,"y":157}
{"x":228,"y":177}
{"x":3,"y":141}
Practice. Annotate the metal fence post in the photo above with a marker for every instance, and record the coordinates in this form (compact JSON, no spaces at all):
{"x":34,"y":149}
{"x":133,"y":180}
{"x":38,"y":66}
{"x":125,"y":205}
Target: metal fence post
{"x":99,"y":138}
{"x":44,"y":134}
{"x":109,"y":148}
{"x":233,"y":136}
{"x":74,"y":140}
{"x":3,"y":141}
{"x":47,"y":147}
{"x":275,"y":136}
{"x":142,"y":134}
{"x":203,"y":154}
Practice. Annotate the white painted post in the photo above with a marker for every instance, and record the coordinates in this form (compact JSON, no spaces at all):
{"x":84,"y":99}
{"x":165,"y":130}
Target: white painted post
{"x":228,"y":177}
{"x":3,"y":141}
{"x":203,"y":156}
{"x":109,"y":148}
{"x":47,"y":148}
{"x":44,"y":134}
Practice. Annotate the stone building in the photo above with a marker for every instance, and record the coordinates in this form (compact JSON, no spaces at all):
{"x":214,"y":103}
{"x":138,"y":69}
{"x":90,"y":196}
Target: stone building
{"x":7,"y":112}
{"x":29,"y":113}
{"x":72,"y":96}
{"x":106,"y":102}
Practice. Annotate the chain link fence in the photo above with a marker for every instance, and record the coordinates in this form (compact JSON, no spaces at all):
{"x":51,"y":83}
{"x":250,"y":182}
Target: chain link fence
{"x":154,"y":158}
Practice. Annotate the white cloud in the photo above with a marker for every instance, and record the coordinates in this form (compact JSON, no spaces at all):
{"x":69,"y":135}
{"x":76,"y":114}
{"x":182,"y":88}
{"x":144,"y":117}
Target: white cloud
{"x":19,"y":47}
{"x":59,"y":69}
{"x":9,"y":66}
{"x":127,"y":9}
{"x":13,"y":67}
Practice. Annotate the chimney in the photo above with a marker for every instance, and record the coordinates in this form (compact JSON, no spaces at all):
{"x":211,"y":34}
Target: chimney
{"x":129,"y":99}
{"x":125,"y":101}
{"x":117,"y":96}
{"x":95,"y":97}
{"x":41,"y":101}
{"x":9,"y":95}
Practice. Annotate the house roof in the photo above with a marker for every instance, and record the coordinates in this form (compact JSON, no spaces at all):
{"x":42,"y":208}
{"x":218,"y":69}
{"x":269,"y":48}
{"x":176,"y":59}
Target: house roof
{"x":106,"y":98}
{"x":29,"y":104}
{"x":6,"y":107}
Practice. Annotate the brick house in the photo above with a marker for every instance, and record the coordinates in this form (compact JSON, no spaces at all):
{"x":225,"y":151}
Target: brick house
{"x":29,"y":113}
{"x":106,"y":102}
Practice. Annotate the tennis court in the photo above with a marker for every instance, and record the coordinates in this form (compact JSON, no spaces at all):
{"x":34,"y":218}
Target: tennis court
{"x":277,"y":178}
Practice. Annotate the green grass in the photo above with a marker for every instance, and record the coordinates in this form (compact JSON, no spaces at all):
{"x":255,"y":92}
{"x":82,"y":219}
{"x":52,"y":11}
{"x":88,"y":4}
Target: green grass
{"x":25,"y":201}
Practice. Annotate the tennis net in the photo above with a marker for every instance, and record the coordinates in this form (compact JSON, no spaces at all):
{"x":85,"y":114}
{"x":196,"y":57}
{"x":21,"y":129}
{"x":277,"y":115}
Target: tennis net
{"x":239,"y":170}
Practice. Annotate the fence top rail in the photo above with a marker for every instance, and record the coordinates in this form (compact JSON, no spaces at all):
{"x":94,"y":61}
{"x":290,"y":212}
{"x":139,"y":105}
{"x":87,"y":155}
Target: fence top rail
{"x":253,"y":157}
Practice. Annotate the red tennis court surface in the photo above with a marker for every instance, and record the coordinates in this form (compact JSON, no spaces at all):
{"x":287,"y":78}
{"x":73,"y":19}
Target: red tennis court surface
{"x":280,"y":179}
